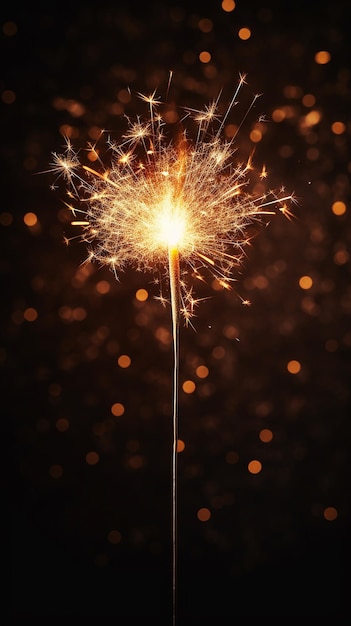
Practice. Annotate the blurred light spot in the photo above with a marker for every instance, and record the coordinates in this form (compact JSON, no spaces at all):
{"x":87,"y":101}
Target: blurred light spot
{"x":254,"y":467}
{"x":30,"y":219}
{"x":232,"y":457}
{"x":341,"y":257}
{"x":114,"y":537}
{"x":8,"y":96}
{"x":230,"y":130}
{"x":308,"y":100}
{"x":202,"y":371}
{"x":255,"y":135}
{"x":163,"y":335}
{"x":285,"y":152}
{"x":205,"y":25}
{"x":92,"y":457}
{"x":189,"y":386}
{"x":124,"y":361}
{"x":263,"y":409}
{"x":117,"y":409}
{"x":203,"y":514}
{"x":231,"y":332}
{"x":9,"y":29}
{"x":305,"y":282}
{"x":6,"y":219}
{"x":292,"y":91}
{"x":141,"y":295}
{"x":65,"y":312}
{"x":67,"y":130}
{"x":312,"y":118}
{"x":124,"y":96}
{"x":218,"y":352}
{"x":331,"y":345}
{"x":92,"y":156}
{"x":309,"y":306}
{"x":330,"y":513}
{"x":228,"y":5}
{"x":30,"y":314}
{"x":79,"y":314}
{"x":56,"y":471}
{"x":322,"y":57}
{"x":266,"y":435}
{"x":278,"y":115}
{"x":338,"y":128}
{"x":294,"y":367}
{"x":205,"y":56}
{"x":62,"y":424}
{"x":136,"y":461}
{"x":180,"y":445}
{"x":103,"y":286}
{"x":244,"y":33}
{"x":312,"y":154}
{"x":339,"y":208}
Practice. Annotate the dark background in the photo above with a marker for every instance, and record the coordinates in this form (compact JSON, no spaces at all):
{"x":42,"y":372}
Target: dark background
{"x":267,"y":549}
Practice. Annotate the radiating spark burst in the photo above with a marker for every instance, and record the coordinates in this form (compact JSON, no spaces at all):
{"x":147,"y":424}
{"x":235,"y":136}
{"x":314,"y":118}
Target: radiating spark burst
{"x":159,"y":194}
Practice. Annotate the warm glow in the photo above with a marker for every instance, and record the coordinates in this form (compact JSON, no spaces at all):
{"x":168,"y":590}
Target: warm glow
{"x":30,"y":219}
{"x":255,"y":135}
{"x":294,"y":367}
{"x":92,"y":458}
{"x":103,"y":286}
{"x":202,"y":371}
{"x":254,"y":467}
{"x":244,"y":33}
{"x":117,"y":409}
{"x":278,"y":115}
{"x":338,"y":128}
{"x":205,"y":56}
{"x":62,"y":424}
{"x":205,"y":25}
{"x":141,"y":295}
{"x":312,"y":118}
{"x":308,"y":100}
{"x":228,"y":5}
{"x":339,"y":208}
{"x":189,"y":386}
{"x":124,"y":361}
{"x":322,"y":57}
{"x":305,"y":282}
{"x":266,"y":435}
{"x":204,"y":514}
{"x":30,"y":314}
{"x":180,"y":445}
{"x":330,"y":513}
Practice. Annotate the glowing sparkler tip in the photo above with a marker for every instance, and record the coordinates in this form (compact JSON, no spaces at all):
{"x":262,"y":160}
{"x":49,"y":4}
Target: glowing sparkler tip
{"x":157,"y":195}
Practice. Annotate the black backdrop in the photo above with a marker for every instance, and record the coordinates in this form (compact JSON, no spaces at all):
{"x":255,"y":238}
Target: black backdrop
{"x":268,"y":548}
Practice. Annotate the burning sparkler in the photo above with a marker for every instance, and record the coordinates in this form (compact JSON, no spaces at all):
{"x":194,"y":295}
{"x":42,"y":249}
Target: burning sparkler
{"x":180,"y":204}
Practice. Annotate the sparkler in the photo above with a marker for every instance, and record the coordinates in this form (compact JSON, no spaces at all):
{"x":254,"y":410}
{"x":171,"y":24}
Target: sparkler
{"x":180,"y":204}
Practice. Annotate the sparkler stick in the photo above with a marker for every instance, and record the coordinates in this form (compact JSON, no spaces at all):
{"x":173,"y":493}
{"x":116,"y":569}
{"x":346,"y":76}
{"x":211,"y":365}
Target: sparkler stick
{"x":183,"y":205}
{"x":174,"y":274}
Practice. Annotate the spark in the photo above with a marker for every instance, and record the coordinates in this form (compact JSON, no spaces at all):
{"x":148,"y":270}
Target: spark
{"x":158,"y":194}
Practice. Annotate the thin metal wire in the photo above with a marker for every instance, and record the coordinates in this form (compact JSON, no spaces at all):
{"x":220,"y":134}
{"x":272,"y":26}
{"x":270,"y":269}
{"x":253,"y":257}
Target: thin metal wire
{"x":174,"y":273}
